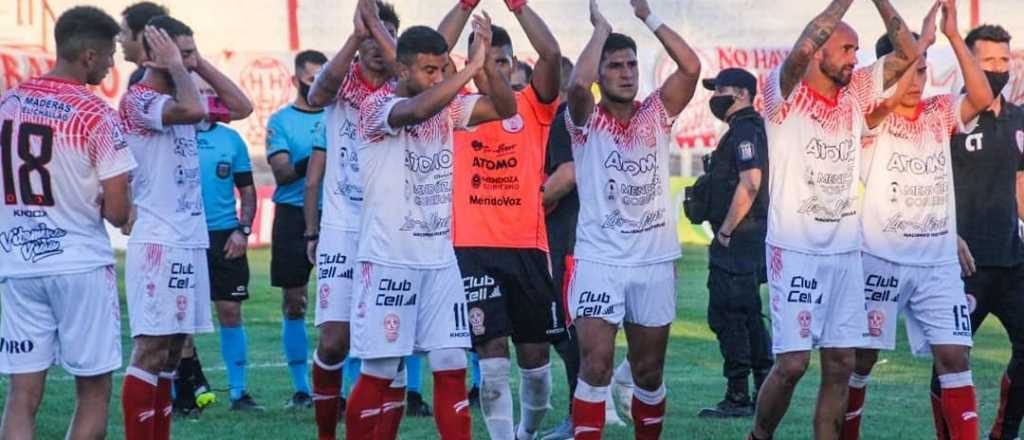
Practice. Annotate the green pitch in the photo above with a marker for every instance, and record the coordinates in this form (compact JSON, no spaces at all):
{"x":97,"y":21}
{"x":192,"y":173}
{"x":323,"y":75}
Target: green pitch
{"x":897,"y":408}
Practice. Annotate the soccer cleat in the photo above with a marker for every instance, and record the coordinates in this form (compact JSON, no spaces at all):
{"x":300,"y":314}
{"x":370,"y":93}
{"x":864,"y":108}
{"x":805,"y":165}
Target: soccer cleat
{"x":205,"y":398}
{"x":621,"y":396}
{"x":474,"y":397}
{"x":561,"y":432}
{"x":416,"y":407}
{"x":190,"y":414}
{"x":246,"y":404}
{"x":731,"y":406}
{"x":299,"y":400}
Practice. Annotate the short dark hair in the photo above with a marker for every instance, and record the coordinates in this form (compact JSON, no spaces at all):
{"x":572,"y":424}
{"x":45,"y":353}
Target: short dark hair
{"x":616,"y":42}
{"x":387,"y":14}
{"x":82,"y":27}
{"x":137,"y":15}
{"x":419,"y":40}
{"x":884,"y":45}
{"x":499,"y":37}
{"x":987,"y":32}
{"x":309,"y":56}
{"x":174,"y":28}
{"x":526,"y":68}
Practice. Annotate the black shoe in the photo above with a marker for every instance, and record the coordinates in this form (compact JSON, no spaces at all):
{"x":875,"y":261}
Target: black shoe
{"x":416,"y":407}
{"x":299,"y":400}
{"x":474,"y":396}
{"x":246,"y":404}
{"x":731,"y":406}
{"x":181,"y":413}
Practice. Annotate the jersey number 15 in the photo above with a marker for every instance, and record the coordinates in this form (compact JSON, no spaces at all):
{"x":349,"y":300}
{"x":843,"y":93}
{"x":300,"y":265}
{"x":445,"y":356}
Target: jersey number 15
{"x":31,"y":163}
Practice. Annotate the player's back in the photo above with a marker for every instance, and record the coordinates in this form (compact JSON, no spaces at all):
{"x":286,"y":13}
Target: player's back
{"x":57,"y":142}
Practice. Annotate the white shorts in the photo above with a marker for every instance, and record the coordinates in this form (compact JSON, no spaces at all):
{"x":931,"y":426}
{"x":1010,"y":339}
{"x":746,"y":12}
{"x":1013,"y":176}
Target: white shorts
{"x":643,"y":295}
{"x":817,"y":301}
{"x":335,"y":263}
{"x":400,"y":311}
{"x":73,"y":320}
{"x":168,"y":290}
{"x":931,"y":298}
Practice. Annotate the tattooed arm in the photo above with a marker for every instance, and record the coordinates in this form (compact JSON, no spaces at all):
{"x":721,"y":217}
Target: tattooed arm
{"x":906,"y":50}
{"x":814,"y":36}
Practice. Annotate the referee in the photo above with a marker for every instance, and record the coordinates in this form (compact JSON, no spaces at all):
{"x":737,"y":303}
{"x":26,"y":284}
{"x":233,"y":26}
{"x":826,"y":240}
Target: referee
{"x":988,"y":177}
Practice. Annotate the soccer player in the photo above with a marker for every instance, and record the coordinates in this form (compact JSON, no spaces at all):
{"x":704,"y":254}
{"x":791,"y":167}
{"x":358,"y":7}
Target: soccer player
{"x":408,"y":295}
{"x":224,"y":165}
{"x":291,"y":133}
{"x":909,"y":231}
{"x":166,"y":279}
{"x":814,"y":110}
{"x":626,"y":243}
{"x":988,"y":174}
{"x":332,"y":240}
{"x":65,"y":169}
{"x":133,"y":22}
{"x":500,"y":238}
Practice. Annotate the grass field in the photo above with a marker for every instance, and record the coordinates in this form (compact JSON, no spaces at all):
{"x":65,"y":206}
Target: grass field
{"x":898,"y":407}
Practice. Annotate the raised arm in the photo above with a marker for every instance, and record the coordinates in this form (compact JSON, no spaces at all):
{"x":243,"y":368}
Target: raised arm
{"x":229,"y":93}
{"x":185,"y":107}
{"x":979,"y":94}
{"x":500,"y":101}
{"x":370,"y":11}
{"x":327,"y":84}
{"x":889,"y":104}
{"x":547,"y":71}
{"x":905,"y":51}
{"x":455,"y":21}
{"x":678,"y":88}
{"x":581,"y":100}
{"x":814,"y":36}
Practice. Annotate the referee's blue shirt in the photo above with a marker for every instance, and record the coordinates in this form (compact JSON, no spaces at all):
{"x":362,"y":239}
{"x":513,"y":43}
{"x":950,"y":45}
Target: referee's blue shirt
{"x":222,"y":154}
{"x":292,"y":131}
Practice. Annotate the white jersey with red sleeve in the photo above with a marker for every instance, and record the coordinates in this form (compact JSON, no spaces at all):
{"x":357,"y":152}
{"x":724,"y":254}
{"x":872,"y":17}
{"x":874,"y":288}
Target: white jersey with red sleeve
{"x":58,"y":141}
{"x":626,"y":216}
{"x":343,"y":186}
{"x":165,"y":187}
{"x":909,"y":206}
{"x":814,"y":145}
{"x":407,"y":178}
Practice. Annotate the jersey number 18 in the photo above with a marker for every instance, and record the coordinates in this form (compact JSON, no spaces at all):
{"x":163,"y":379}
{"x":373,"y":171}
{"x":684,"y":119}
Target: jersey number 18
{"x":31,"y":163}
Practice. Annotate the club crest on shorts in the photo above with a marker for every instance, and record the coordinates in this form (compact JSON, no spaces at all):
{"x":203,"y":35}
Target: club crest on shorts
{"x":476,"y":321}
{"x":513,"y":124}
{"x":182,"y":303}
{"x":391,"y":324}
{"x":325,"y":292}
{"x":804,"y":319}
{"x":876,"y":320}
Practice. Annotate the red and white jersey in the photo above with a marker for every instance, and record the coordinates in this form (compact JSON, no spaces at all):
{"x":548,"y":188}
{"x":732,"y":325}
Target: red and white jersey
{"x":814,"y":146}
{"x":407,"y":178}
{"x":165,"y":187}
{"x":343,"y":186}
{"x":58,"y":141}
{"x":909,"y":206}
{"x":626,"y":216}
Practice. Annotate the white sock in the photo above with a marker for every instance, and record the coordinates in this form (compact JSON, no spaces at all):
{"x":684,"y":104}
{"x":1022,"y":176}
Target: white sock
{"x":650,"y":398}
{"x":400,"y":378}
{"x":956,"y":380}
{"x":496,"y":398}
{"x":534,"y":399}
{"x":623,"y":374}
{"x":589,"y":393}
{"x":858,"y":381}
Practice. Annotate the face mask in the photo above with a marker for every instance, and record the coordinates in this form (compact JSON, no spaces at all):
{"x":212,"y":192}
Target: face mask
{"x":997,"y":81}
{"x":304,"y":90}
{"x":721,"y":104}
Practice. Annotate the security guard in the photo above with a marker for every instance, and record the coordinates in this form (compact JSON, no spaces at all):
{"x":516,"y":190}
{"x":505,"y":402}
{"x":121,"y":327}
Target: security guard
{"x":738,"y":169}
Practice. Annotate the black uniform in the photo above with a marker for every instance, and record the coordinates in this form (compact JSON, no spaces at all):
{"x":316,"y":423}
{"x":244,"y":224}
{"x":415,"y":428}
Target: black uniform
{"x":736,"y":272}
{"x":985,"y":166}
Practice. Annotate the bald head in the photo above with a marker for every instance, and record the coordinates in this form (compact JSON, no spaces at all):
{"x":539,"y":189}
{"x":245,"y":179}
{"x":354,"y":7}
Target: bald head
{"x":838,"y":56}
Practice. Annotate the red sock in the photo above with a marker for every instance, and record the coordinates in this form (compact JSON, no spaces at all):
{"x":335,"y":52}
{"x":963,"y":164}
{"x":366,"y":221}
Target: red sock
{"x":941,"y":431}
{"x":854,"y":409}
{"x":587,"y":419}
{"x":647,"y":419}
{"x":961,"y":411}
{"x":162,"y":407}
{"x":326,"y":399}
{"x":362,"y":412}
{"x":391,"y":413}
{"x":451,"y":407}
{"x":138,"y":394}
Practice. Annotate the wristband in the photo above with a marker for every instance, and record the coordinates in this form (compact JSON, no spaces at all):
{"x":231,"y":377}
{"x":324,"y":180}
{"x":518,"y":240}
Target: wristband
{"x":516,"y":6}
{"x":723,"y":234}
{"x":468,"y":5}
{"x":311,"y":237}
{"x":653,"y":22}
{"x":301,"y":166}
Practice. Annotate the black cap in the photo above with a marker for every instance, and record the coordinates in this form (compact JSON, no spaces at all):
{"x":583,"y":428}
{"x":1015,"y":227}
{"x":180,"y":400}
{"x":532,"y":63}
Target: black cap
{"x":733,"y":77}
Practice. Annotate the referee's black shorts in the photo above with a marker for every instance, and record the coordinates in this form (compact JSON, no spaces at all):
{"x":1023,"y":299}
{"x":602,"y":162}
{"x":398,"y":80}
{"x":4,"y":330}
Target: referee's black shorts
{"x":289,"y":265}
{"x":229,"y":278}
